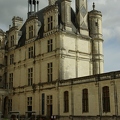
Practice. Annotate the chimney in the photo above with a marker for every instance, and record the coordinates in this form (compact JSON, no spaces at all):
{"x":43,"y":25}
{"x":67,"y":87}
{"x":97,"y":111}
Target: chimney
{"x":17,"y":21}
{"x":52,"y":2}
{"x":34,"y":3}
{"x":32,"y":10}
{"x":37,"y":5}
{"x":66,"y":14}
{"x":28,"y":6}
{"x":31,"y":5}
{"x":82,"y":16}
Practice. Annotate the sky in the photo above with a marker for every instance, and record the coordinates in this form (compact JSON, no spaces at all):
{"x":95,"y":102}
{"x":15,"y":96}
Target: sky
{"x":111,"y":24}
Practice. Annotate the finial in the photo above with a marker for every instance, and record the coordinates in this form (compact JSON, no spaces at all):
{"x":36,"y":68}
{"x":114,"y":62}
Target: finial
{"x":93,"y":6}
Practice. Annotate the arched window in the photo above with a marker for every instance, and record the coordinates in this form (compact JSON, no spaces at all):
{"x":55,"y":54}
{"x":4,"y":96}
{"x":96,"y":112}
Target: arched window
{"x":85,"y":100}
{"x":66,"y":101}
{"x":106,"y":99}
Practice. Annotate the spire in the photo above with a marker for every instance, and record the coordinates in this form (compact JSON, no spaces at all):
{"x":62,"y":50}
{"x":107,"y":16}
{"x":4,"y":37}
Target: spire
{"x":93,"y":6}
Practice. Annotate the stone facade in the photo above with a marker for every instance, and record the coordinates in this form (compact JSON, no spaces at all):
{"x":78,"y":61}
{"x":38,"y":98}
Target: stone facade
{"x":52,"y":65}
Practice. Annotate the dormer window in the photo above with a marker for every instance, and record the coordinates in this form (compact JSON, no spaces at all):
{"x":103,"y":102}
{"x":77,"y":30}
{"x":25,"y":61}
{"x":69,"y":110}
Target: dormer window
{"x":12,"y":41}
{"x":30,"y":31}
{"x":50,"y":23}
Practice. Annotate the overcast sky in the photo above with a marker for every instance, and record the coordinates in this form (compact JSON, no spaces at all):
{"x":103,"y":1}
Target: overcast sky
{"x":111,"y":24}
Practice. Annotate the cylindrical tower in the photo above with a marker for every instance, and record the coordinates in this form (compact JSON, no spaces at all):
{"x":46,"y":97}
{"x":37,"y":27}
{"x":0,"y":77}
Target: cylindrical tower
{"x":95,"y":32}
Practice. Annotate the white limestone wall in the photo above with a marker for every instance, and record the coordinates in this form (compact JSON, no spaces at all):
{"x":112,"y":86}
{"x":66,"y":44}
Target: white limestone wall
{"x":76,"y":56}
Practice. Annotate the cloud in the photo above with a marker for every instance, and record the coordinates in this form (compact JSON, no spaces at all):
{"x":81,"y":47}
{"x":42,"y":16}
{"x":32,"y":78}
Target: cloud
{"x":112,"y":55}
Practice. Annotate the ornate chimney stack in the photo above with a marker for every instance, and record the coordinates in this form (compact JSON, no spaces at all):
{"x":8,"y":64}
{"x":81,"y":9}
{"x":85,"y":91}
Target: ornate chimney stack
{"x":32,"y":3}
{"x":82,"y":16}
{"x":37,"y":5}
{"x":52,"y":2}
{"x":66,"y":14}
{"x":17,"y":21}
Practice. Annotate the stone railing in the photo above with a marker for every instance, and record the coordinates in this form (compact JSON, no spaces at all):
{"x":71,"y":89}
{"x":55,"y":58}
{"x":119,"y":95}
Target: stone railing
{"x":92,"y":78}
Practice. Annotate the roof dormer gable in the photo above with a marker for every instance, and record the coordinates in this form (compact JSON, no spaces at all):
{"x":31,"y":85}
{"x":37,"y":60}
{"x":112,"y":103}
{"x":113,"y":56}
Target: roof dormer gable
{"x":50,"y":19}
{"x":32,"y":28}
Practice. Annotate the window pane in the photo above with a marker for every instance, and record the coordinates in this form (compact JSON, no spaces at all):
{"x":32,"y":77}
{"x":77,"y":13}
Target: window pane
{"x":106,"y":99}
{"x":66,"y":101}
{"x":85,"y":100}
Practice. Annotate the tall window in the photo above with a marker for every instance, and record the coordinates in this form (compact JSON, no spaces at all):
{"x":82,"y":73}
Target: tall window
{"x":30,"y":52}
{"x":50,"y":23}
{"x":30,"y":76}
{"x":43,"y":103}
{"x":106,"y":99}
{"x":50,"y":71}
{"x":49,"y":105}
{"x":96,"y":23}
{"x":85,"y":100}
{"x":30,"y":31}
{"x":5,"y":81}
{"x":11,"y":59}
{"x":10,"y":80}
{"x":50,"y":45}
{"x":9,"y":104}
{"x":29,"y":105}
{"x":29,"y":101}
{"x":66,"y":101}
{"x":0,"y":78}
{"x":12,"y":41}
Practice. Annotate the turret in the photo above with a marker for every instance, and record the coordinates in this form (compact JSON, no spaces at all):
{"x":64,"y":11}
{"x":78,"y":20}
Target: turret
{"x":95,"y":23}
{"x":66,"y":14}
{"x":82,"y":16}
{"x":95,"y":31}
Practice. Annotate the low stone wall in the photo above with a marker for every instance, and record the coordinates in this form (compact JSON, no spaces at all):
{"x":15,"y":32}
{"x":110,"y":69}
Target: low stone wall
{"x":90,"y":118}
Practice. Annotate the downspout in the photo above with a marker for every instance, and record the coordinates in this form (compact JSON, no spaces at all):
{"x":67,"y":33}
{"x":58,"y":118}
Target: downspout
{"x":116,"y":100}
{"x":39,"y":77}
{"x":99,"y":99}
{"x":72,"y":101}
